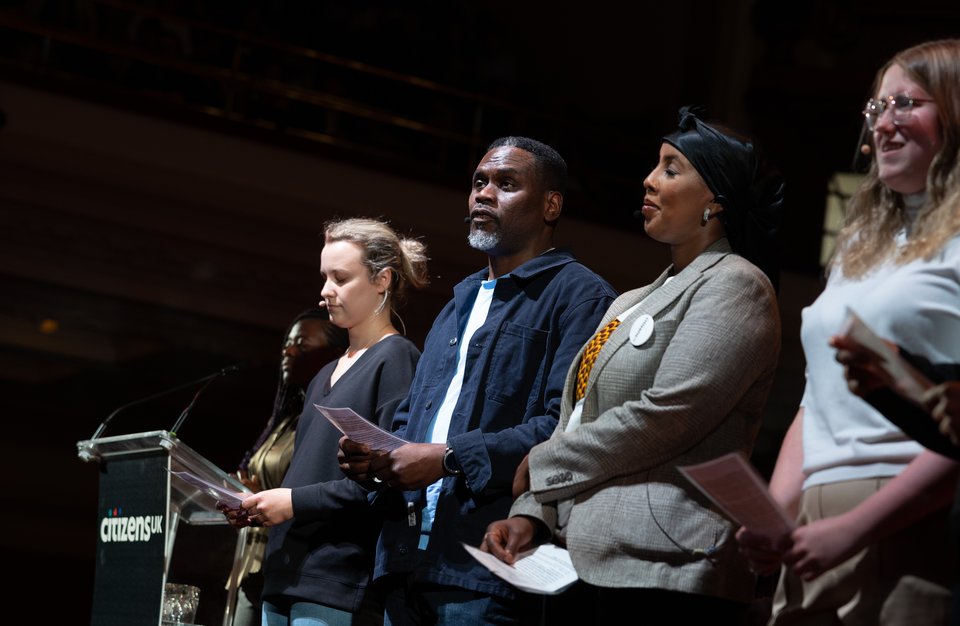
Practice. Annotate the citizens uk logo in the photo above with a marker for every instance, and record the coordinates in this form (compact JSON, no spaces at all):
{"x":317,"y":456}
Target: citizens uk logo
{"x":118,"y":528}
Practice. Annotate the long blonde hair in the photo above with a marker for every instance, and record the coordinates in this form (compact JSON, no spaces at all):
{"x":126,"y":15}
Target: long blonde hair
{"x":875,"y":213}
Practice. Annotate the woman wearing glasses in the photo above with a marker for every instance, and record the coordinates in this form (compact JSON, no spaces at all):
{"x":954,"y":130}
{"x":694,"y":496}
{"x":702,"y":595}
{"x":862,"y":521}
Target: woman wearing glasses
{"x":870,"y":503}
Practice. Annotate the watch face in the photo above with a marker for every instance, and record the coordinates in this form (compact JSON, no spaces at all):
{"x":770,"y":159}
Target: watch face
{"x":448,"y":463}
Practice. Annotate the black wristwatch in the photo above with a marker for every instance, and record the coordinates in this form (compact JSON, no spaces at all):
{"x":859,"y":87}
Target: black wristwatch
{"x":450,"y":465}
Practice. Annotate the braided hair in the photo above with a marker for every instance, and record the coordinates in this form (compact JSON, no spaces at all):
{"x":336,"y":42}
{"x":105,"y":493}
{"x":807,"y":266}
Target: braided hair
{"x":289,"y":398}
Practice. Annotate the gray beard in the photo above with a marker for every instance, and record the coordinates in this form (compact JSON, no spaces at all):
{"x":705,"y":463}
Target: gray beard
{"x":483,"y":241}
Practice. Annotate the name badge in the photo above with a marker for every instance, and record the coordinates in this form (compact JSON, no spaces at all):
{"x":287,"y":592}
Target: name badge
{"x":641,"y":330}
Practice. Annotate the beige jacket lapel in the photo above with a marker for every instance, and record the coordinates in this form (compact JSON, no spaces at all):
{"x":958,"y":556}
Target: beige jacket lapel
{"x":655,"y":297}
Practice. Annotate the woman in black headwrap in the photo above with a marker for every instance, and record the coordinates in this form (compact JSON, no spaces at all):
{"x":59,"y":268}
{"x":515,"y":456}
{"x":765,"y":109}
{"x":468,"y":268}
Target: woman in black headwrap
{"x":678,"y":374}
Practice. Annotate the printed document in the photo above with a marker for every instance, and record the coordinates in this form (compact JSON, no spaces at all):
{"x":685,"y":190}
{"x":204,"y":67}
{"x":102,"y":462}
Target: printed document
{"x":546,"y":569}
{"x":733,"y":484}
{"x":361,"y":430}
{"x":230,"y":499}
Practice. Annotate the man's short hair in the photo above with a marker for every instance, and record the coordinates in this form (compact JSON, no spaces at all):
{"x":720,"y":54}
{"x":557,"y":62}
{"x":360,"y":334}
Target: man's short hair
{"x":553,"y":169}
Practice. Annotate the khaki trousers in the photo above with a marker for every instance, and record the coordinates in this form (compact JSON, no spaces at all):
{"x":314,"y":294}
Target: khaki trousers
{"x":903,"y":579}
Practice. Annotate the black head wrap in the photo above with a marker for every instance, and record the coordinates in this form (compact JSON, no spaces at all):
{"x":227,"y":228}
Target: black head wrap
{"x":751,"y":202}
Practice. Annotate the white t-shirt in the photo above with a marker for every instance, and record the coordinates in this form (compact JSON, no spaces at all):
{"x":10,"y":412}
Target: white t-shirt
{"x":441,"y":421}
{"x":917,"y":306}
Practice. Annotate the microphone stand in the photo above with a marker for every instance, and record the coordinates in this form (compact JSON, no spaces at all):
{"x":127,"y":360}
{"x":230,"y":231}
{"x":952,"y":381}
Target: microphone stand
{"x":183,"y":416}
{"x":206,"y":379}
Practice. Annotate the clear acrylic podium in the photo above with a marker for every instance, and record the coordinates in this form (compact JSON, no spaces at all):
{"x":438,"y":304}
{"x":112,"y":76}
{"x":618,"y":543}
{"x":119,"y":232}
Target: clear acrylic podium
{"x":154,"y":527}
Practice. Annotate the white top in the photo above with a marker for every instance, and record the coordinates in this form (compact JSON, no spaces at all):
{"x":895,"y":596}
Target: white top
{"x":917,"y":306}
{"x":441,"y":421}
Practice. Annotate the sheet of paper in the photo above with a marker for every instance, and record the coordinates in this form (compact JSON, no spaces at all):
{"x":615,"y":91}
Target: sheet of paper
{"x":546,"y":569}
{"x":734,"y":485}
{"x":231,"y":499}
{"x":907,"y":379}
{"x":359,"y":429}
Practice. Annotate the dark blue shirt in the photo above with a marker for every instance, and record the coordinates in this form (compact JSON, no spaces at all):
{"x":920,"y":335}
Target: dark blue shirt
{"x":540,"y":316}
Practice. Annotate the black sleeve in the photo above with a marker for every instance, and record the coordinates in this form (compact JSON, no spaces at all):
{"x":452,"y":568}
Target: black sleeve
{"x":914,"y":421}
{"x":937,"y":372}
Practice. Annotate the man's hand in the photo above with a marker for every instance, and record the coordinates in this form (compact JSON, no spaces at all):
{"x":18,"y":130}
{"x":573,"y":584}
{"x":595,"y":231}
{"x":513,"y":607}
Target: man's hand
{"x":411,"y":466}
{"x":354,"y":459}
{"x":506,"y":538}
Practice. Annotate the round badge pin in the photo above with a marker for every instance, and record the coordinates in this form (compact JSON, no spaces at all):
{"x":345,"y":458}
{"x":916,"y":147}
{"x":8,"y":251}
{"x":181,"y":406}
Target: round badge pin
{"x":641,"y":330}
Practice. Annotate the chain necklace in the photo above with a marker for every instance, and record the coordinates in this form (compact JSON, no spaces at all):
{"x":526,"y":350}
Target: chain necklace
{"x":375,"y":339}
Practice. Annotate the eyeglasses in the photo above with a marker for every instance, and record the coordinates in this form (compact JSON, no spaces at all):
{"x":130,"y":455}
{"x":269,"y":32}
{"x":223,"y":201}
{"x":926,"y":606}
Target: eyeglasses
{"x":901,"y":105}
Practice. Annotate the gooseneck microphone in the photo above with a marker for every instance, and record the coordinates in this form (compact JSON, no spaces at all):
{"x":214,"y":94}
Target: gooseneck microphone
{"x":186,"y":411}
{"x":467,"y":219}
{"x":638,"y":214}
{"x":206,"y":379}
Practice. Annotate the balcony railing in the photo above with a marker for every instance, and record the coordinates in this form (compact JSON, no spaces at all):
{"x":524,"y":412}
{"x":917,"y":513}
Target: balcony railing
{"x":223,"y":74}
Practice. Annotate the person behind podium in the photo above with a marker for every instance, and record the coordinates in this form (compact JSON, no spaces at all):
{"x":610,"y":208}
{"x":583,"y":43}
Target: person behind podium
{"x":870,"y":502}
{"x":677,"y":374}
{"x":322,"y":531}
{"x":310,"y":342}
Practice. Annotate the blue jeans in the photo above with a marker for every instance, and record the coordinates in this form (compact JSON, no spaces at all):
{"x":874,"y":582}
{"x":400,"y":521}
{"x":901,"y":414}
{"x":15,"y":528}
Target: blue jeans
{"x":304,"y":614}
{"x":420,"y":604}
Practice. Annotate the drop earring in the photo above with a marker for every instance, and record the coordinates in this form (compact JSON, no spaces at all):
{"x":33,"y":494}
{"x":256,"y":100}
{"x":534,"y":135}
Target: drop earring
{"x":386,"y":294}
